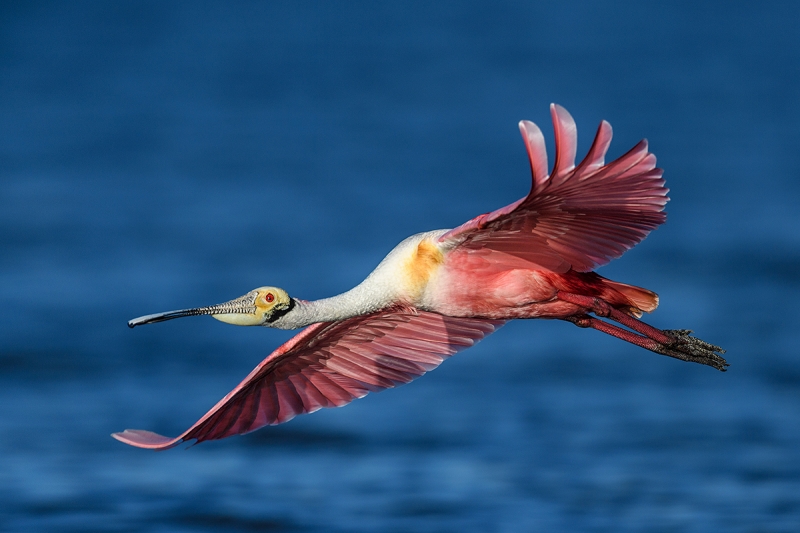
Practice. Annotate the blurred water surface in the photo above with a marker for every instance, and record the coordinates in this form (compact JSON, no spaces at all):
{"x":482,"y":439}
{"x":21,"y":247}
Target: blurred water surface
{"x":158,"y":156}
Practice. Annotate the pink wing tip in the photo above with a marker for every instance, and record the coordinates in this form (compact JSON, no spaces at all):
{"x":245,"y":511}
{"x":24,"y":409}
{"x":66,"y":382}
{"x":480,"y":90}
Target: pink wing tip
{"x":537,"y":153}
{"x":524,"y":125}
{"x":566,"y":137}
{"x":145,"y":439}
{"x":557,"y":111}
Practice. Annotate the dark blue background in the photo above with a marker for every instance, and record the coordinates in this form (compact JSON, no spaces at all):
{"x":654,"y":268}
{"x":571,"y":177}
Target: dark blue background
{"x":157,"y":156}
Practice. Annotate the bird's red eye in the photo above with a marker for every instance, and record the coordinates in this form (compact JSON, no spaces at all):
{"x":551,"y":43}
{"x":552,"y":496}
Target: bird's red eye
{"x":269,"y":297}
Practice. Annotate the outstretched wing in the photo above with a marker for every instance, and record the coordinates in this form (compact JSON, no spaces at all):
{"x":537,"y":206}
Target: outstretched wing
{"x":330,"y":365}
{"x":576,"y":217}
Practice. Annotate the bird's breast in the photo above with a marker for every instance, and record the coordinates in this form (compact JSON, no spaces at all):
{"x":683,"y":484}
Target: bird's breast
{"x":424,"y":260}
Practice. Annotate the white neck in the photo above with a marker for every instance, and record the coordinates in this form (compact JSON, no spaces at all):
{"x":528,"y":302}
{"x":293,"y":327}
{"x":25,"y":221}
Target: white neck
{"x":357,"y":301}
{"x":382,"y":288}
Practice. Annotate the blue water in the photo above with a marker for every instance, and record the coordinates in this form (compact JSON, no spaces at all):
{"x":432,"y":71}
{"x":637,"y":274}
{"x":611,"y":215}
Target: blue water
{"x":156,"y":156}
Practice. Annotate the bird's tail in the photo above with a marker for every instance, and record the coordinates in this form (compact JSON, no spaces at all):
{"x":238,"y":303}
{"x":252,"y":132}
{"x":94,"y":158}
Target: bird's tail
{"x":627,"y":298}
{"x":640,"y":299}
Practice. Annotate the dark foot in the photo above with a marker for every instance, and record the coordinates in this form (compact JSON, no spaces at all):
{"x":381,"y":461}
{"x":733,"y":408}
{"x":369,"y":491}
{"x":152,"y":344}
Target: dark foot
{"x":688,"y":348}
{"x":675,"y":343}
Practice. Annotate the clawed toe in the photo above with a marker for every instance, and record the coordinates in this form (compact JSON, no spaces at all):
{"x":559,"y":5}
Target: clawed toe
{"x":688,"y":348}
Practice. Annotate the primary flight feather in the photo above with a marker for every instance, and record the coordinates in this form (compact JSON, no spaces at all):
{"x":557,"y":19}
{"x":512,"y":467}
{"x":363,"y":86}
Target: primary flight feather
{"x":442,"y":291}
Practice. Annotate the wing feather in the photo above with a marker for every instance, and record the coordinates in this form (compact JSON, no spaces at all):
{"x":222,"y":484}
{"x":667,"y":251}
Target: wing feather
{"x":249,"y":412}
{"x":329,"y":365}
{"x":313,"y":399}
{"x":335,"y":393}
{"x":578,"y":217}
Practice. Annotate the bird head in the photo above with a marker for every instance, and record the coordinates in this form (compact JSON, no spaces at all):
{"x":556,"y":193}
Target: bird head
{"x":259,"y":307}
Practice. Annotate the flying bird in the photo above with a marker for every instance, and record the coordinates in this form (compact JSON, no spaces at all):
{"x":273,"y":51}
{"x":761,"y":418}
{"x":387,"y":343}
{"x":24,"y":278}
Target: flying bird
{"x":441,"y":291}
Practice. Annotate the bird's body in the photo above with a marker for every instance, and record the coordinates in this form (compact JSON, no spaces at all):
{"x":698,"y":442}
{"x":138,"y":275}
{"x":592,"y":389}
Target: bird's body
{"x":422,"y":272}
{"x":441,"y":291}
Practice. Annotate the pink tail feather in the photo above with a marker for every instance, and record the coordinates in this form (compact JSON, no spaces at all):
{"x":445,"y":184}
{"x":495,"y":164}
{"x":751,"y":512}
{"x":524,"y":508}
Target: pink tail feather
{"x":640,"y":298}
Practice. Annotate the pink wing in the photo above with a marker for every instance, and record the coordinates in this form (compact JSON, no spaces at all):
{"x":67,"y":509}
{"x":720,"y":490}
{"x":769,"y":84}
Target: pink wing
{"x":577,"y":217}
{"x":330,"y":365}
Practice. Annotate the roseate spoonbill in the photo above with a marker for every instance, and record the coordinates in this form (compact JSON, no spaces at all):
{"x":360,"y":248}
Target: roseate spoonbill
{"x":442,"y":291}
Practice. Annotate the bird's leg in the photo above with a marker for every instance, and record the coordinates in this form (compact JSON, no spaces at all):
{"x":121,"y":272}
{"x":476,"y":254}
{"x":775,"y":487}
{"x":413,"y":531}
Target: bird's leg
{"x":603,"y":309}
{"x":586,"y":321}
{"x":675,"y":343}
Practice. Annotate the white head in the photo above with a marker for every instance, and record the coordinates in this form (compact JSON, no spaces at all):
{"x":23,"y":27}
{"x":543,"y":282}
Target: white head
{"x":259,"y":307}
